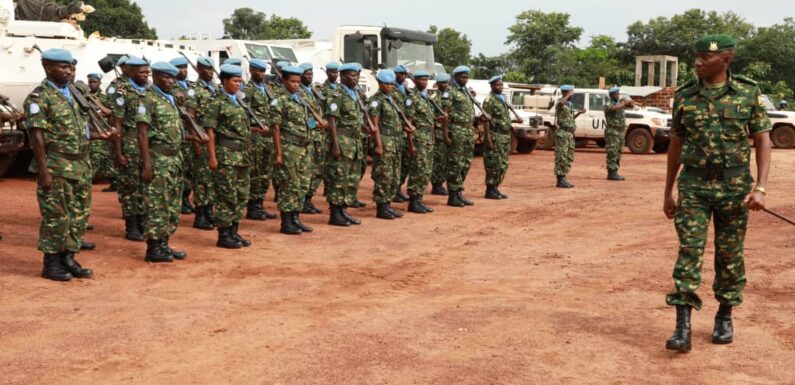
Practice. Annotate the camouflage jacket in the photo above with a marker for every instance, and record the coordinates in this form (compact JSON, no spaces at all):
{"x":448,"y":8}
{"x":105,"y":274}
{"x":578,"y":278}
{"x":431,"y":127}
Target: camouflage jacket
{"x":442,"y":98}
{"x":185,"y":94}
{"x":343,"y":106}
{"x":292,"y":117}
{"x":564,"y":115}
{"x":64,"y":128}
{"x":714,"y":123}
{"x":277,"y":87}
{"x":329,"y":89}
{"x":500,"y":115}
{"x":462,"y":111}
{"x":109,"y":100}
{"x":381,"y":108}
{"x":616,"y":120}
{"x":420,"y":110}
{"x":401,"y":96}
{"x":232,"y":130}
{"x":162,"y":117}
{"x":205,"y":93}
{"x":258,"y":100}
{"x":126,"y":101}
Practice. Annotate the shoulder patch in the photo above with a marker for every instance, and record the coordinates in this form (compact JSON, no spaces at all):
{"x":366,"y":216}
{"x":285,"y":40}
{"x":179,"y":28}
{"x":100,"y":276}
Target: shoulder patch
{"x":141,"y":109}
{"x":275,"y":102}
{"x":333,"y":107}
{"x":374,"y":104}
{"x":120,"y":101}
{"x":111,"y":90}
{"x":34,"y":108}
{"x":191,"y":92}
{"x":446,"y":95}
{"x":408,"y":102}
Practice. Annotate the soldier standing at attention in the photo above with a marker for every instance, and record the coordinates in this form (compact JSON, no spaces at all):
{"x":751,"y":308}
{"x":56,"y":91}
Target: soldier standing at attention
{"x":125,"y":106}
{"x":186,"y":97}
{"x":564,"y":135}
{"x":443,"y":141}
{"x":229,"y":149}
{"x":712,"y":118}
{"x":57,"y":128}
{"x":203,"y":198}
{"x":462,"y":113}
{"x":292,"y":139}
{"x":420,"y":110}
{"x":262,"y":151}
{"x":498,"y":139}
{"x":160,"y":138}
{"x":386,"y":168}
{"x":319,"y":147}
{"x":330,"y":86}
{"x":101,"y":159}
{"x":401,"y":94}
{"x":614,"y":134}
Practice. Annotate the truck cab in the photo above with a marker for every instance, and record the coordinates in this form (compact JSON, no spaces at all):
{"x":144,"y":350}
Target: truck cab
{"x":222,"y":49}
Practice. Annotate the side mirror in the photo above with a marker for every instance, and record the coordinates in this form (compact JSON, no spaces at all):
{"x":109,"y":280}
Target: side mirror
{"x":395,"y":44}
{"x":107,"y":64}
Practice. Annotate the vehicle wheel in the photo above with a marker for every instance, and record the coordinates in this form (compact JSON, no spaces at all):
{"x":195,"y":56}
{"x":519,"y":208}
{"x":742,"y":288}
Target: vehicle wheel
{"x":660,"y":148}
{"x":526,"y":146}
{"x":580,"y":143}
{"x":783,"y":137}
{"x":548,"y":141}
{"x":601,"y":143}
{"x":640,"y":141}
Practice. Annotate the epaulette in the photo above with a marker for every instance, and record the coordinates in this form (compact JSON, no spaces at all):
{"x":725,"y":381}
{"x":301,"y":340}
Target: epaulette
{"x":688,"y":88}
{"x":745,"y":79}
{"x":687,"y":84}
{"x":36,"y":92}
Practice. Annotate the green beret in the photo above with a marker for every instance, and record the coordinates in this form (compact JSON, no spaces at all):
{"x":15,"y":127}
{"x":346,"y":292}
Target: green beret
{"x":715,"y":43}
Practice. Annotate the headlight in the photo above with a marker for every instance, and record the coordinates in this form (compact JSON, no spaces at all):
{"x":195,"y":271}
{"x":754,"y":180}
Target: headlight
{"x":658,"y":122}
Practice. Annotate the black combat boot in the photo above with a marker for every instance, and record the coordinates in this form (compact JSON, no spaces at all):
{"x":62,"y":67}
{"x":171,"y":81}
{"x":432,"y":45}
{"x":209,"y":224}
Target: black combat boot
{"x":261,"y":207}
{"x":112,"y":187}
{"x":156,"y":252}
{"x":208,"y":213}
{"x":492,"y":193}
{"x":88,"y":246}
{"x":563,"y":183}
{"x":503,"y":196}
{"x":401,"y":196}
{"x":424,"y":207}
{"x":348,"y":217}
{"x":89,"y":227}
{"x":382,"y":211}
{"x":226,"y":239}
{"x":181,"y":255}
{"x":394,"y":212}
{"x":613,"y":175}
{"x":253,"y":211}
{"x":140,"y":221}
{"x":310,"y":208}
{"x":131,"y":230}
{"x":336,"y":218}
{"x":54,"y":269}
{"x":723,"y":333}
{"x":288,"y":226}
{"x":201,"y":220}
{"x":186,"y":208}
{"x":681,"y":339}
{"x":236,"y":234}
{"x":463,"y":200}
{"x":414,"y":205}
{"x":438,"y":189}
{"x":357,"y":204}
{"x":453,"y":200}
{"x":69,"y":263}
{"x":304,"y":228}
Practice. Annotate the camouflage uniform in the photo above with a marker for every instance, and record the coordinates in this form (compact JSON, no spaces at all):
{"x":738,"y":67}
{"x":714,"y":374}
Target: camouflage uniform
{"x":344,"y":173}
{"x":185,"y":96}
{"x":101,"y":155}
{"x":496,"y":161}
{"x":125,"y":101}
{"x":714,"y":124}
{"x":440,"y":150}
{"x":202,"y":176}
{"x":291,"y":177}
{"x":564,"y":138}
{"x":421,"y":112}
{"x":262,"y":153}
{"x":162,"y":195}
{"x":386,"y":168}
{"x":319,"y":145}
{"x":232,"y":180}
{"x":329,"y":89}
{"x":459,"y":156}
{"x":65,"y":207}
{"x":405,"y":164}
{"x":614,"y":135}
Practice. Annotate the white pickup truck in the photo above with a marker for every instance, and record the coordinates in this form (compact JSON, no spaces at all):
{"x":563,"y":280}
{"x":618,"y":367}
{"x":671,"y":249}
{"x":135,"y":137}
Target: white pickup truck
{"x":783,"y":135}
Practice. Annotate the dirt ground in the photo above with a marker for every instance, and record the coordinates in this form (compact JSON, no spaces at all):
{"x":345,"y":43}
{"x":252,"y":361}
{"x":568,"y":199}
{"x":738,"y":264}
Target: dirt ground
{"x":548,"y":287}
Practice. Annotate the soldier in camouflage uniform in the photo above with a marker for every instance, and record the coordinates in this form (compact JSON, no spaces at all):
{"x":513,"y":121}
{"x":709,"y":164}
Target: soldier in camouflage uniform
{"x":443,"y":141}
{"x":185,"y":96}
{"x":564,"y":135}
{"x":160,"y":138}
{"x":459,"y":159}
{"x":203,"y":190}
{"x":57,"y":128}
{"x":614,"y":133}
{"x":330,"y":86}
{"x":258,"y":96}
{"x":101,"y":159}
{"x":319,"y":141}
{"x":229,"y":130}
{"x":420,"y":110}
{"x":292,"y":130}
{"x":712,"y":119}
{"x":386,"y":168}
{"x":124,"y":98}
{"x":401,"y":94}
{"x":498,"y":139}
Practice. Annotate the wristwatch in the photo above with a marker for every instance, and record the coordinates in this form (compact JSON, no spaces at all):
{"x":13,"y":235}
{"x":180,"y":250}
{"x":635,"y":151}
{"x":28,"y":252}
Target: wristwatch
{"x":761,"y":190}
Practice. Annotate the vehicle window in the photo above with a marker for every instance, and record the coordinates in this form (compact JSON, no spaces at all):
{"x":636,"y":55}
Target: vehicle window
{"x":596,"y":102}
{"x":285,"y":53}
{"x":517,"y":98}
{"x":223,"y":55}
{"x":578,"y":100}
{"x":354,"y":50}
{"x":257,"y":51}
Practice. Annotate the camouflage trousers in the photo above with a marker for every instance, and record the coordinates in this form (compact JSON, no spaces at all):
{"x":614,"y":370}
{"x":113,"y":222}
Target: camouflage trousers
{"x":101,"y":159}
{"x":231,"y":186}
{"x":564,"y":152}
{"x":698,"y":201}
{"x":386,"y":169}
{"x":614,"y":144}
{"x":163,"y":196}
{"x":344,"y":173}
{"x":496,"y":161}
{"x":459,"y":157}
{"x":319,"y":153}
{"x":187,"y":166}
{"x":405,"y":163}
{"x":293,"y":176}
{"x":262,"y":156}
{"x":202,"y":179}
{"x":64,"y":214}
{"x":421,"y":166}
{"x":131,"y":192}
{"x":366,"y":147}
{"x":440,"y":154}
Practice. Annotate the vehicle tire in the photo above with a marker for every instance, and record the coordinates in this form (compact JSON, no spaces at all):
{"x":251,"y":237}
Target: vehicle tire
{"x":783,"y":137}
{"x":660,"y":148}
{"x":526,"y":146}
{"x":580,"y":143}
{"x":601,"y":143}
{"x":640,"y":141}
{"x":548,"y":141}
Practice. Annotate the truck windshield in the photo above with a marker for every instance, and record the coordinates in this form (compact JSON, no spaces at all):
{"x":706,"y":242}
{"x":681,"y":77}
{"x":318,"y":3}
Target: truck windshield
{"x":413,"y":55}
{"x":769,"y":106}
{"x":257,"y":51}
{"x":285,"y":53}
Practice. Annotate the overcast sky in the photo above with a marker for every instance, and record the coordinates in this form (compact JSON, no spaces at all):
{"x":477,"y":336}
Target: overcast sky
{"x":484,"y":22}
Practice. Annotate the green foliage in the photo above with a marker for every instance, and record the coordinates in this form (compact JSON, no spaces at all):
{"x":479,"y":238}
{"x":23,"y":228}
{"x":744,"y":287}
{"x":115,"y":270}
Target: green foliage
{"x":117,"y":18}
{"x":453,"y":48}
{"x":539,"y":40}
{"x":247,"y":24}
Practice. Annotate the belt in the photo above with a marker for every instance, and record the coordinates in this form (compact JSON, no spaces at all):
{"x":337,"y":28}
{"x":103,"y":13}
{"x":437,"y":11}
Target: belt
{"x":716,"y":174}
{"x":295,"y":139}
{"x":390,"y":131}
{"x":82,"y":156}
{"x":351,"y":132}
{"x":130,"y":133}
{"x":567,"y":129}
{"x":164,"y":149}
{"x":232,"y":144}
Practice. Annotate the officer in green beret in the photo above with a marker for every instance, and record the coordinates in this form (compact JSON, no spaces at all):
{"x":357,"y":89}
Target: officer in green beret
{"x":712,"y":119}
